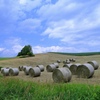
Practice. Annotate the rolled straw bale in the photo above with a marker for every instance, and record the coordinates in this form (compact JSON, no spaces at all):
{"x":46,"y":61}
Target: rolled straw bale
{"x":67,"y":65}
{"x":20,"y":68}
{"x":58,"y":61}
{"x":35,"y":72}
{"x":26,"y":70}
{"x":41,"y":67}
{"x":56,"y":64}
{"x":2,"y":69}
{"x":73,"y":68}
{"x":94,"y":64}
{"x":23,"y":67}
{"x":13,"y":71}
{"x":5,"y":72}
{"x":50,"y":67}
{"x":85,"y":71}
{"x":60,"y":75}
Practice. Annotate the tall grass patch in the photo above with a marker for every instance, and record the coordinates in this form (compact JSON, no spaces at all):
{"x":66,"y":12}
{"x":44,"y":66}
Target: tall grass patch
{"x":14,"y":89}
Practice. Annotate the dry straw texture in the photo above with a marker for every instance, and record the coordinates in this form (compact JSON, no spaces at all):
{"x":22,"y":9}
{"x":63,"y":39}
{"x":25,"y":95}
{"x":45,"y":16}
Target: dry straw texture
{"x":13,"y":71}
{"x":85,"y":71}
{"x":60,"y":75}
{"x":41,"y":67}
{"x":34,"y":72}
{"x":50,"y":67}
{"x":26,"y":70}
{"x":20,"y":68}
{"x":67,"y":65}
{"x":56,"y":64}
{"x":23,"y":67}
{"x":58,"y":61}
{"x":73,"y":68}
{"x":5,"y":72}
{"x":94,"y":64}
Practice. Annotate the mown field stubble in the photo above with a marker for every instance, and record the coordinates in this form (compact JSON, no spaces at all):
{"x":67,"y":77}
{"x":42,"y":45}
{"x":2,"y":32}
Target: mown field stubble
{"x":48,"y":58}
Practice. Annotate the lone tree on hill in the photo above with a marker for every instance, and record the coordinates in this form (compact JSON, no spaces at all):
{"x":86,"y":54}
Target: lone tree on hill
{"x":26,"y":51}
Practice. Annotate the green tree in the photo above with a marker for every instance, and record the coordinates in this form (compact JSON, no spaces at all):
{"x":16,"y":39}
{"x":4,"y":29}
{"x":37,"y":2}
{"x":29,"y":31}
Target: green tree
{"x":26,"y":51}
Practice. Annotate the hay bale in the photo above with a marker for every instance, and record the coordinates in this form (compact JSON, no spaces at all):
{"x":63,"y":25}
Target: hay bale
{"x":60,"y":75}
{"x":5,"y":72}
{"x":41,"y":67}
{"x":26,"y":70}
{"x":2,"y":69}
{"x":50,"y":67}
{"x":94,"y":64}
{"x":56,"y":64}
{"x":85,"y":71}
{"x":66,"y":62}
{"x":35,"y":72}
{"x":73,"y":68}
{"x":67,"y":65}
{"x":58,"y":61}
{"x":23,"y":67}
{"x":20,"y":68}
{"x":13,"y":71}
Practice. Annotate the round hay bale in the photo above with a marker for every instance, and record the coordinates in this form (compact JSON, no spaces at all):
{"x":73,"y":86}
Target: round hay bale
{"x":20,"y":68}
{"x":50,"y":67}
{"x":67,"y":65}
{"x":23,"y":67}
{"x":66,"y":62}
{"x":58,"y":61}
{"x":73,"y":68}
{"x":85,"y":71}
{"x":60,"y":75}
{"x":56,"y":64}
{"x":41,"y":67}
{"x":26,"y":70}
{"x":35,"y":72}
{"x":13,"y":71}
{"x":94,"y":64}
{"x":5,"y":72}
{"x":2,"y":69}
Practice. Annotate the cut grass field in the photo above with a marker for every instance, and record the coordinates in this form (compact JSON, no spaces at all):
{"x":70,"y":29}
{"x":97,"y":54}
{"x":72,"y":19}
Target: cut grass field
{"x":24,"y":87}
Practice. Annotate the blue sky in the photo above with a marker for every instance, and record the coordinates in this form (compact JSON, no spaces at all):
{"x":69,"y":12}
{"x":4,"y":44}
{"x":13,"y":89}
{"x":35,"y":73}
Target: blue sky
{"x":49,"y":26}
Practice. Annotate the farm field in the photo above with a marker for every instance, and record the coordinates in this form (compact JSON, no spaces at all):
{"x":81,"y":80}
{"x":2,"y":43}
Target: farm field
{"x":24,"y":87}
{"x":48,"y":58}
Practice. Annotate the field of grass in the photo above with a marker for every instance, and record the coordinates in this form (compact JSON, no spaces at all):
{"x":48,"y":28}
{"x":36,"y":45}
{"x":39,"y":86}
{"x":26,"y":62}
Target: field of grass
{"x":23,"y":87}
{"x":14,"y":89}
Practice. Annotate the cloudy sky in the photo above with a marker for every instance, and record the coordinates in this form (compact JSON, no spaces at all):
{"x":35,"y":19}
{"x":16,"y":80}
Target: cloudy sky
{"x":49,"y":26}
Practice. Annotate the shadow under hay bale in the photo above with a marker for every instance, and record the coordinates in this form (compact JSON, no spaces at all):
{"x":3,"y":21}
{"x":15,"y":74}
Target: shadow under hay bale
{"x":61,"y":75}
{"x":41,"y":67}
{"x":26,"y":70}
{"x":35,"y":72}
{"x":67,"y":65}
{"x":73,"y":68}
{"x":13,"y":71}
{"x":94,"y":64}
{"x":50,"y":67}
{"x":85,"y":71}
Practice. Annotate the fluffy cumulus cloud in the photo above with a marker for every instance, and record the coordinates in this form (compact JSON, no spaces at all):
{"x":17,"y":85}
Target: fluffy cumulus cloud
{"x":73,"y":23}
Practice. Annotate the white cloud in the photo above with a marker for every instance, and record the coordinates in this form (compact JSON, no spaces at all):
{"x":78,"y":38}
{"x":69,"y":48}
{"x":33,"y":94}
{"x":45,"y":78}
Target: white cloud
{"x":29,"y":25}
{"x":40,"y":49}
{"x":1,"y":49}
